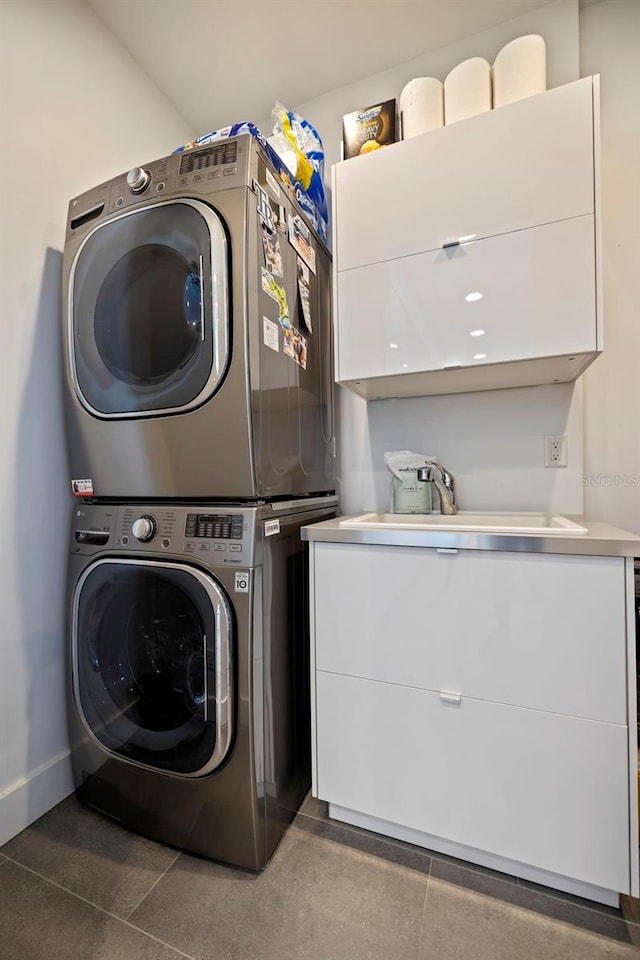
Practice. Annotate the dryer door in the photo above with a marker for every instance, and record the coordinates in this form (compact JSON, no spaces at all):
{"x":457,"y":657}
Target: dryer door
{"x":152,"y":663}
{"x":149,"y":329}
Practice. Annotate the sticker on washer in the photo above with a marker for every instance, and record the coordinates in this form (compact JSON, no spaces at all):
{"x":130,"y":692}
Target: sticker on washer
{"x":277,"y":293}
{"x":265,"y":210}
{"x":242,"y":583}
{"x":305,"y":292}
{"x":271,"y":527}
{"x":300,"y":240}
{"x":295,"y":346}
{"x":82,"y":488}
{"x":273,"y":184}
{"x":271,"y":247}
{"x":270,"y":334}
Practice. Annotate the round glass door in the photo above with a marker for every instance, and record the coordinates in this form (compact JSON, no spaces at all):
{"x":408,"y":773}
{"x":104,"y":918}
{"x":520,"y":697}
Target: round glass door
{"x":152,"y":664}
{"x":149,"y":308}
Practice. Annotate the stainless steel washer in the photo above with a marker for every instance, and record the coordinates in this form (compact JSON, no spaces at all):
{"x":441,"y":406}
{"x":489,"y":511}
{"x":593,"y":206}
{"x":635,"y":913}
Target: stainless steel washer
{"x":189,"y":670}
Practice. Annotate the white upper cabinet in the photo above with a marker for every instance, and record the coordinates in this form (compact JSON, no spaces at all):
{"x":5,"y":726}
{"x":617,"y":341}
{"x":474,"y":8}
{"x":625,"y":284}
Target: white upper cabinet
{"x":467,"y":258}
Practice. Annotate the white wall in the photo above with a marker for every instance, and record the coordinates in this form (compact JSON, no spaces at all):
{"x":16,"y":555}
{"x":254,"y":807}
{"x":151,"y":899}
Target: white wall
{"x":492,"y":441}
{"x":557,"y":22}
{"x":76,"y":110}
{"x":610,"y":45}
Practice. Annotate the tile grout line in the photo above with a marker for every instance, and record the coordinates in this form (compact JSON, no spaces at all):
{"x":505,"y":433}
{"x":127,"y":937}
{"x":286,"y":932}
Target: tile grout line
{"x":473,"y":868}
{"x":96,"y":906}
{"x":153,"y":885}
{"x":424,"y":908}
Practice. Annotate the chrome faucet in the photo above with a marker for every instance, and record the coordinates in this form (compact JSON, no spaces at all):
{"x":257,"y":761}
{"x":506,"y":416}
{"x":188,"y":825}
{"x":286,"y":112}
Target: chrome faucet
{"x":445,"y":484}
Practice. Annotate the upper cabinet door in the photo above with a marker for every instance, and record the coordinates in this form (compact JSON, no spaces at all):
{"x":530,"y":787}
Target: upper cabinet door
{"x":518,"y":166}
{"x":512,"y":297}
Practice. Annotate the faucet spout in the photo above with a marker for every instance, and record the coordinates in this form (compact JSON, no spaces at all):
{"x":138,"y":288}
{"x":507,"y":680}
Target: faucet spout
{"x":444,"y":483}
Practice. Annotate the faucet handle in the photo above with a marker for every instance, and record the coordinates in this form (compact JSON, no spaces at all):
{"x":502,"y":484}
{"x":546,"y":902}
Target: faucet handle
{"x":447,"y":478}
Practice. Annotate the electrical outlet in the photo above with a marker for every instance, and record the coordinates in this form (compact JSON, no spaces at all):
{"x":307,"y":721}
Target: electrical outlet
{"x":555,"y":451}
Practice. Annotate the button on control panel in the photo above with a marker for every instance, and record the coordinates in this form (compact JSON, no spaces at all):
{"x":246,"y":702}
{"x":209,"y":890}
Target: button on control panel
{"x":218,"y":533}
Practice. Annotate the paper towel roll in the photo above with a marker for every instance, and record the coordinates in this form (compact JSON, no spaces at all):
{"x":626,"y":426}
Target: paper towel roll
{"x":467,"y":90}
{"x":421,"y":106}
{"x":520,"y":70}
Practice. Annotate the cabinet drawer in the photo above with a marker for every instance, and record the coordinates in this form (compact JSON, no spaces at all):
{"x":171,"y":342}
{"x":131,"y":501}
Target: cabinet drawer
{"x":545,"y":790}
{"x":539,"y":631}
{"x":532,"y":294}
{"x":525,"y":164}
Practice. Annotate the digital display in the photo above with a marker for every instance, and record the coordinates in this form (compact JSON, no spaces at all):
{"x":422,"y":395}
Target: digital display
{"x":219,"y":155}
{"x":214,"y":526}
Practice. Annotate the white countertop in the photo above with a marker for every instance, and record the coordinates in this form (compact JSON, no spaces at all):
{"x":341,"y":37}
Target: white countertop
{"x":601,"y":539}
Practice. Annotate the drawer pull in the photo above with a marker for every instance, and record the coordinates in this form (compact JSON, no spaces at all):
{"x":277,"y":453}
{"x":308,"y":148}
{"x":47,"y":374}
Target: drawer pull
{"x":446,"y":549}
{"x":450,"y":243}
{"x":450,"y":697}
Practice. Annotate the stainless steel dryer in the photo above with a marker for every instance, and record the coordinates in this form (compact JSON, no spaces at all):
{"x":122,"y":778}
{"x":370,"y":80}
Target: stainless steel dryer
{"x":178,"y":383}
{"x":189,"y":670}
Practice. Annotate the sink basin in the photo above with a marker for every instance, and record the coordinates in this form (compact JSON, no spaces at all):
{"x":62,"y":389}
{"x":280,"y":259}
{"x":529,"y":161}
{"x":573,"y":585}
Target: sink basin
{"x":529,"y":523}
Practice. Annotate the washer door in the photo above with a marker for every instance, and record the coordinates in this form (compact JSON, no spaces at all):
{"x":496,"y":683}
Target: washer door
{"x":152,"y":663}
{"x":149,"y":326}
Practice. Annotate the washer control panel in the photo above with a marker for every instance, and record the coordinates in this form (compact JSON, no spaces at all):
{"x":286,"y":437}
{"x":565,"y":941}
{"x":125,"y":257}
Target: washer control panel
{"x":220,"y":535}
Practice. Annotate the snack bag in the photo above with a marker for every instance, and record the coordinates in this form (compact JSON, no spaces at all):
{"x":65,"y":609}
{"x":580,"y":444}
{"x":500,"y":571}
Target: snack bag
{"x":296,"y":138}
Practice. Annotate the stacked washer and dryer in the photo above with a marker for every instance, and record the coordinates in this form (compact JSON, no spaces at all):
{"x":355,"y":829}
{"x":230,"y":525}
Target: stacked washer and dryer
{"x":198,"y":447}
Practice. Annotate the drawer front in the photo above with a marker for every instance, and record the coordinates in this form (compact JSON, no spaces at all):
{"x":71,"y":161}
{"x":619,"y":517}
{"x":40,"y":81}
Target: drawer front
{"x":525,"y":164}
{"x":544,"y":790}
{"x":530,"y":294}
{"x":539,"y":631}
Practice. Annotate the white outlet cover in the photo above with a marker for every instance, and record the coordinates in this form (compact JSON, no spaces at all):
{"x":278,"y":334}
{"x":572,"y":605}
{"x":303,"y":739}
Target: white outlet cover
{"x":555,"y":451}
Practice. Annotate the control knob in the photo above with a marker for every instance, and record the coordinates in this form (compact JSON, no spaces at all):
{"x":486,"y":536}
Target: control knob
{"x":144,"y":529}
{"x":138,"y":180}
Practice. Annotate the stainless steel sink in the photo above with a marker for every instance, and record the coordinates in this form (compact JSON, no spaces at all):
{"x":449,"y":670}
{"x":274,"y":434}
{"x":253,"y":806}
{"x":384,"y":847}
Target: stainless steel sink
{"x":529,"y":523}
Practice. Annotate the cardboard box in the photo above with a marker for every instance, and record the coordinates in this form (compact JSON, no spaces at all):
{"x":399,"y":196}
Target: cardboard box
{"x":369,"y":129}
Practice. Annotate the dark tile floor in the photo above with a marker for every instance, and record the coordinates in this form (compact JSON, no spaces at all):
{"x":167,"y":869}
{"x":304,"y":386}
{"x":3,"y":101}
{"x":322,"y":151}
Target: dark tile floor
{"x":76,"y":886}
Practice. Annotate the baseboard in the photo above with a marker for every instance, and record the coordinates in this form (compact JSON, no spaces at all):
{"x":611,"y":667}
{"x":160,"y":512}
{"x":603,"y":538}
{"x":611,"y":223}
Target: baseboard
{"x":29,"y":798}
{"x":577,"y":887}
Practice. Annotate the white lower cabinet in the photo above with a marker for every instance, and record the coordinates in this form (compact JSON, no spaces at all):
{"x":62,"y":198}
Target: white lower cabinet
{"x":545,"y":790}
{"x":480,"y":699}
{"x":531,"y":630}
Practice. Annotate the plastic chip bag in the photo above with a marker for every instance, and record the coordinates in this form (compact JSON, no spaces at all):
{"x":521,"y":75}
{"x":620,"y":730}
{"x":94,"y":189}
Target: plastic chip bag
{"x":295,"y":139}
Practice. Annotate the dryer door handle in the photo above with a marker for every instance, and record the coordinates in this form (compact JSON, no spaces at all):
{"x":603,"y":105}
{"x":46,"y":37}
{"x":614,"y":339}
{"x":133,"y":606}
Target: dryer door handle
{"x":202,"y":330}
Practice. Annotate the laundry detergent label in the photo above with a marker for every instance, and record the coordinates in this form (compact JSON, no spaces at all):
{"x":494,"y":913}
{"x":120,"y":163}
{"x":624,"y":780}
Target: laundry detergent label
{"x":82,"y":488}
{"x":242,"y":583}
